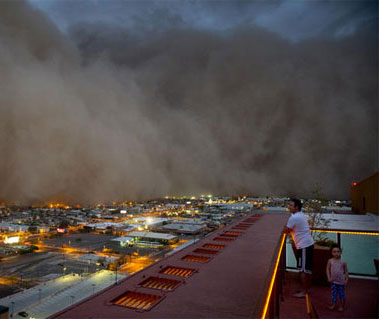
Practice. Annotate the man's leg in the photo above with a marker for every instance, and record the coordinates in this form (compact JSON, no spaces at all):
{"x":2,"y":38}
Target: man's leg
{"x":305,"y":264}
{"x":306,"y":280}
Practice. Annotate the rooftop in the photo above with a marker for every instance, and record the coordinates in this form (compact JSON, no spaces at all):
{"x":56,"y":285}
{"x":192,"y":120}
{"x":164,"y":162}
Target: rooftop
{"x":226,"y":275}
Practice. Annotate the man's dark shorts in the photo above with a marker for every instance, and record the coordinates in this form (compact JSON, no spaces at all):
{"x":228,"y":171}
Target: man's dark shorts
{"x":305,"y":259}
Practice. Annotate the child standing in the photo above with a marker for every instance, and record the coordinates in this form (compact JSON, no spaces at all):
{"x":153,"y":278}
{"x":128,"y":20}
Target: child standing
{"x":336,"y":270}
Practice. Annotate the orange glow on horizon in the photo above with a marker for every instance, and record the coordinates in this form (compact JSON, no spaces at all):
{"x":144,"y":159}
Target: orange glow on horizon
{"x":58,"y":205}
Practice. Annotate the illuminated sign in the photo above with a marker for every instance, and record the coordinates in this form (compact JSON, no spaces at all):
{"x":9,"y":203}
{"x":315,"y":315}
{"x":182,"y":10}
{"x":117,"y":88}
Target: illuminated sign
{"x":11,"y":240}
{"x":123,"y":211}
{"x":61,"y":230}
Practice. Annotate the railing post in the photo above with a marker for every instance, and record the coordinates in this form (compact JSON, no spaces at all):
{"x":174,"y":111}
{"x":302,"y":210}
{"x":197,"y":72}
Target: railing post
{"x":339,"y":239}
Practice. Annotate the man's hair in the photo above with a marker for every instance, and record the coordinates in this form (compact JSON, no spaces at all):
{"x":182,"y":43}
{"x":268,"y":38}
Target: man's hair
{"x":297,"y":203}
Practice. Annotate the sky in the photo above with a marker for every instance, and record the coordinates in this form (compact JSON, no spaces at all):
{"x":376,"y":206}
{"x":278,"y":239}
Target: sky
{"x":114,"y":100}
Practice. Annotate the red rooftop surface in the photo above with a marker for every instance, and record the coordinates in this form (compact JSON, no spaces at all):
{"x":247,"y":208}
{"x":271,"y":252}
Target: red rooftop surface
{"x":361,"y":300}
{"x":226,"y":275}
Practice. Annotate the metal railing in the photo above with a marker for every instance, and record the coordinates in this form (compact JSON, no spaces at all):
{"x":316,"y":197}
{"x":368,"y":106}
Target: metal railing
{"x":359,"y":250}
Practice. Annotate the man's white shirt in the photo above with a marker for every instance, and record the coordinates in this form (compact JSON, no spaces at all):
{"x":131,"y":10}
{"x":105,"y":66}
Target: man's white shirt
{"x":302,"y":235}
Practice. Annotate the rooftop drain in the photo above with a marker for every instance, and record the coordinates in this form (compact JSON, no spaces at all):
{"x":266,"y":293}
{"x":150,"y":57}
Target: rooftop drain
{"x":223,"y":239}
{"x":213,"y":246}
{"x":233,"y":233}
{"x":177,"y":271}
{"x":160,"y":283}
{"x":205,"y":251}
{"x":137,"y":300}
{"x":195,"y":258}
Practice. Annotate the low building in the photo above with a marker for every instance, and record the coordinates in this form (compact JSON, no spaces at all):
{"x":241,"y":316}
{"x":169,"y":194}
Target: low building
{"x":96,"y":259}
{"x":155,"y":237}
{"x":364,"y":195}
{"x":184,"y":228}
{"x":105,"y":226}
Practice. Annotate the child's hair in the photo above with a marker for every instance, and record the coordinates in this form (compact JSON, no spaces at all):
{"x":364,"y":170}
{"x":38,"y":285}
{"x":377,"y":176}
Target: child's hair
{"x":335,"y":246}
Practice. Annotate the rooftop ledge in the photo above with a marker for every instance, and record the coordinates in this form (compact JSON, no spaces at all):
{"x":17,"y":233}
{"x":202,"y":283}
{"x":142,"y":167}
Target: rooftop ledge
{"x":227,"y":274}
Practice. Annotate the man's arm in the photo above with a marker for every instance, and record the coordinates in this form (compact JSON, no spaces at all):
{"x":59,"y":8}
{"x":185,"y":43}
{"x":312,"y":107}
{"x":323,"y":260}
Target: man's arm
{"x":287,"y":230}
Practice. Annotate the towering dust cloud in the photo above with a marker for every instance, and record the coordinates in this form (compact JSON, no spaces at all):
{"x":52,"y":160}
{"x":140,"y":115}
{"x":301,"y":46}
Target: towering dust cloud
{"x":106,"y":113}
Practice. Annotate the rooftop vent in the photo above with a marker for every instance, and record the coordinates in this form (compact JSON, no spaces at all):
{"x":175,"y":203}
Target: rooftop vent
{"x":137,"y":300}
{"x":195,"y":258}
{"x":233,"y":233}
{"x":178,"y":271}
{"x":223,"y":239}
{"x":160,"y":283}
{"x":229,"y":236}
{"x":243,"y":225}
{"x":240,"y":228}
{"x":214,"y":246}
{"x":252,"y":219}
{"x":205,"y":251}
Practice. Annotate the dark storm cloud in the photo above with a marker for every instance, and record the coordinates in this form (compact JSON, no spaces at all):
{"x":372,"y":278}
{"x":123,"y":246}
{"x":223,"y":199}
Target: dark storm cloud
{"x":158,"y":14}
{"x":109,"y":112}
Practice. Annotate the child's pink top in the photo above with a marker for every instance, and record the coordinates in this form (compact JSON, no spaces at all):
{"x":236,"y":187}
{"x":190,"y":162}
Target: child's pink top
{"x":337,"y":272}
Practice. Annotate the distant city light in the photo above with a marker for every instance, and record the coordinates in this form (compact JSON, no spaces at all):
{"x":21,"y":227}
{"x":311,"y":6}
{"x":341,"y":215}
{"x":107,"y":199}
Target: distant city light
{"x":11,"y":240}
{"x":123,"y":211}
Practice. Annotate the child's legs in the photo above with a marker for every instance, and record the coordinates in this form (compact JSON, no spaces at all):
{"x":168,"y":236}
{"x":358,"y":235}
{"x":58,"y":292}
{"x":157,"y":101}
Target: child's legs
{"x":334,"y":293}
{"x":341,"y":293}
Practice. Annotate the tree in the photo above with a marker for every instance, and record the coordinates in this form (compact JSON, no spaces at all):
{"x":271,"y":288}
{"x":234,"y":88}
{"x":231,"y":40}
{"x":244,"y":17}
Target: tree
{"x":315,"y":218}
{"x":101,"y":261}
{"x":32,"y":229}
{"x":64,"y":224}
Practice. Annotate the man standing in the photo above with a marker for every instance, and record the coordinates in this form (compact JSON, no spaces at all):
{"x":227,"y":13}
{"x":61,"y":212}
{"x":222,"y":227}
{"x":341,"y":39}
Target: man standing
{"x":298,"y":226}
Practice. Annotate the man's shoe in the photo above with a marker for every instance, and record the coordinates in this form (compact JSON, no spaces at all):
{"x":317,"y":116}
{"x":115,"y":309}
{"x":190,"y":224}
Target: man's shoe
{"x":300,"y":294}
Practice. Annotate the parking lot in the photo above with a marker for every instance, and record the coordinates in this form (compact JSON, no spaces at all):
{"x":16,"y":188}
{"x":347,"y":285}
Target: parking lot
{"x":90,"y":242}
